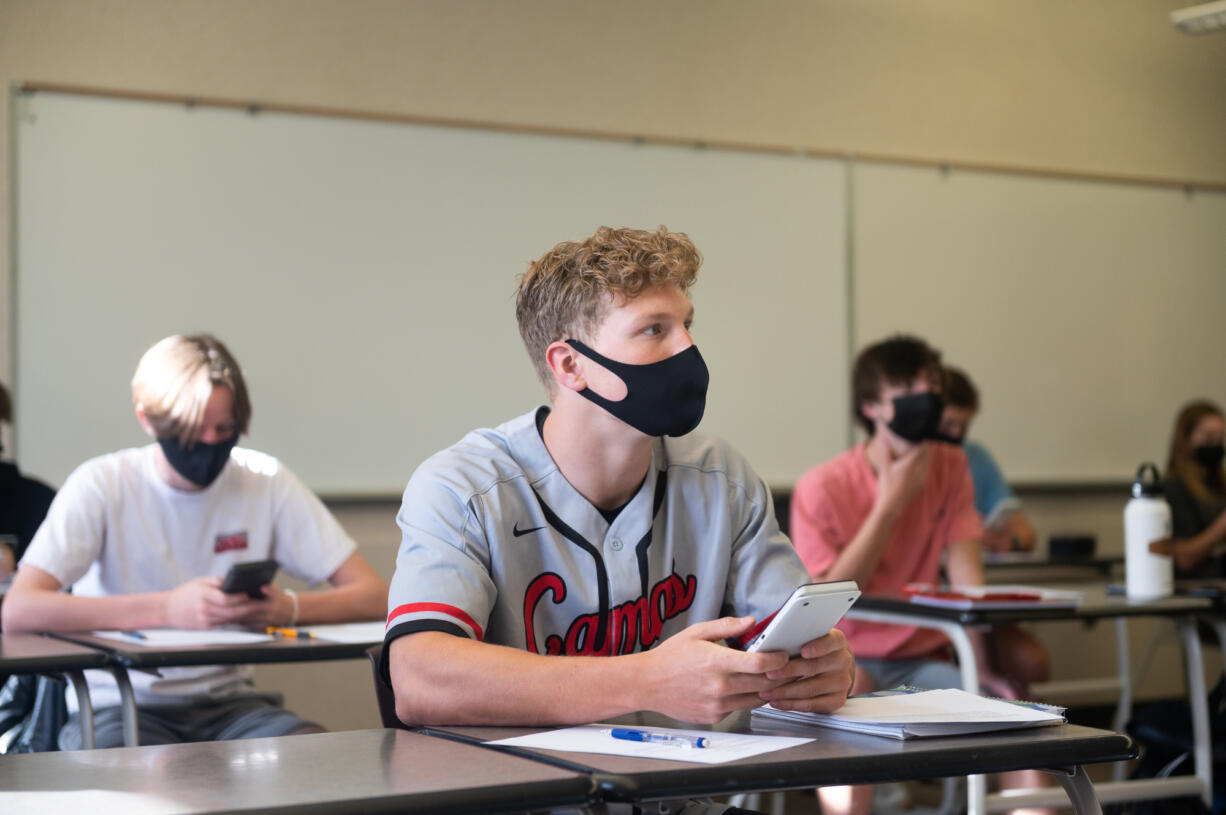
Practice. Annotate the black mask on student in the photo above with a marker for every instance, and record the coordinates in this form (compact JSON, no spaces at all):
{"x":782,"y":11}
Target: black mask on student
{"x":917,"y":416}
{"x":1210,"y":455}
{"x":665,"y":398}
{"x":202,"y":462}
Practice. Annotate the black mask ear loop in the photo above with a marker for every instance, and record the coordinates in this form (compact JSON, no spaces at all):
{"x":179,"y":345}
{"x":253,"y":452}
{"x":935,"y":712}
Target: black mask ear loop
{"x":664,"y":398}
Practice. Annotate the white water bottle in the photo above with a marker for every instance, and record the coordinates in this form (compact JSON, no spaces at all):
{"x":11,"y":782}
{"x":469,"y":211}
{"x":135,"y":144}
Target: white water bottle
{"x":1147,"y":518}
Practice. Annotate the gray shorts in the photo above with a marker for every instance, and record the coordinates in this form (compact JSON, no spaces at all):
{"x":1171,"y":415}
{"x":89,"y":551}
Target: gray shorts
{"x":247,"y":717}
{"x":928,"y":674}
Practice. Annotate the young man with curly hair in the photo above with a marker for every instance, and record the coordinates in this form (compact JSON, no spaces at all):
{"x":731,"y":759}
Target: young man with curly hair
{"x":593,"y":557}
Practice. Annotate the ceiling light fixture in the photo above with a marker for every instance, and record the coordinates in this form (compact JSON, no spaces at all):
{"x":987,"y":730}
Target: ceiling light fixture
{"x":1200,"y":19}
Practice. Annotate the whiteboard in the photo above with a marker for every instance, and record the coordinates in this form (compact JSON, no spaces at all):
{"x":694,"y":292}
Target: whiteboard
{"x":363,"y":273}
{"x":1086,"y":312}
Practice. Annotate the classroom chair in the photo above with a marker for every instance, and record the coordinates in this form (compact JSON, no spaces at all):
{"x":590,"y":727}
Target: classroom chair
{"x":384,"y":694}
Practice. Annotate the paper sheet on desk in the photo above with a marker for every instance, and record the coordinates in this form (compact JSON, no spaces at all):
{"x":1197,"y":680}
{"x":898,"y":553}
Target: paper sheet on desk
{"x":178,"y":637}
{"x":592,"y":738}
{"x":371,"y":632}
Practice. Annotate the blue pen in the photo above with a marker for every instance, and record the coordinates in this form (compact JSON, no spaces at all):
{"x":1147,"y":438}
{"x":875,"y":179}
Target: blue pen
{"x":675,"y":739}
{"x":136,"y":635}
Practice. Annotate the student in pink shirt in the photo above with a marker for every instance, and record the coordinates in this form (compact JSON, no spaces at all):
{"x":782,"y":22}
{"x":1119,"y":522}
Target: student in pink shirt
{"x":886,"y":513}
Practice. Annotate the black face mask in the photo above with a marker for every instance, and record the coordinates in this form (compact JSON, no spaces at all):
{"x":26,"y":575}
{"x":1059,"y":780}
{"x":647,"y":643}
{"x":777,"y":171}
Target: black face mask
{"x":1210,"y":455}
{"x":202,"y":462}
{"x":665,"y":398}
{"x":917,"y":416}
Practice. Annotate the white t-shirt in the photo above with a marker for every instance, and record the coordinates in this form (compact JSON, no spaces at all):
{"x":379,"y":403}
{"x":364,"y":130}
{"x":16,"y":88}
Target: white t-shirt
{"x":116,"y":527}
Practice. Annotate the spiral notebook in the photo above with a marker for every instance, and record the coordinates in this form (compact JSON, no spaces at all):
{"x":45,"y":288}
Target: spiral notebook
{"x":905,"y":713}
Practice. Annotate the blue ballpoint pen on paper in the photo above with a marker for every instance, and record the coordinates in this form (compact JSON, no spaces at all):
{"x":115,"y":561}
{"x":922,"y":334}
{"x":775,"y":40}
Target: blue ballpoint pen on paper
{"x":136,"y":635}
{"x":675,"y":739}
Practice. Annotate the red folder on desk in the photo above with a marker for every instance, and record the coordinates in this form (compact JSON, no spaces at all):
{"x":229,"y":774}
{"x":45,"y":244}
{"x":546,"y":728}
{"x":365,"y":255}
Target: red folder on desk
{"x":986,"y":597}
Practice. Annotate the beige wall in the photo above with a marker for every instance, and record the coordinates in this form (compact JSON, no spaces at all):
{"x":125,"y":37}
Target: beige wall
{"x":1095,"y":86}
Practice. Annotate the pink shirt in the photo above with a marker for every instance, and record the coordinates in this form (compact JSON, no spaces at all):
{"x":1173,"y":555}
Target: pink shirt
{"x":832,"y":501}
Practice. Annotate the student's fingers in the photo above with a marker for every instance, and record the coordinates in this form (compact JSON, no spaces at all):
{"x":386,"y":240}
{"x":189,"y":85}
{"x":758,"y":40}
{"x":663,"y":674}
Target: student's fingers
{"x":742,"y":701}
{"x":251,"y":610}
{"x":753,"y":683}
{"x":758,"y":662}
{"x":1165,"y":546}
{"x":823,"y":703}
{"x":828,"y":654}
{"x":799,"y":668}
{"x":220,"y":600}
{"x":834,"y":641}
{"x":724,"y":628}
{"x":826,"y":691}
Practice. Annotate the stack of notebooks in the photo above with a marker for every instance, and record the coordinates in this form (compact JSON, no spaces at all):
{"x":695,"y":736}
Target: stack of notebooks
{"x":905,"y":713}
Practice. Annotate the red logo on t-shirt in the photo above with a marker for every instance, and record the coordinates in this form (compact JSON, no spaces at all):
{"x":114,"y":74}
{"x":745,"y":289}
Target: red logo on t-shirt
{"x":226,"y":543}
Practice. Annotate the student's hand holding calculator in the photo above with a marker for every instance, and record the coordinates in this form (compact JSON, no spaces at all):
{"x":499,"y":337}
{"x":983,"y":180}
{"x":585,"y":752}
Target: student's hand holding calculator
{"x":819,"y":673}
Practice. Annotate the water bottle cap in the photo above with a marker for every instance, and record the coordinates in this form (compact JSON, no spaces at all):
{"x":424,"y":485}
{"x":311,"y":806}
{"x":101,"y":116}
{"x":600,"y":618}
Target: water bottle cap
{"x":1141,"y":488}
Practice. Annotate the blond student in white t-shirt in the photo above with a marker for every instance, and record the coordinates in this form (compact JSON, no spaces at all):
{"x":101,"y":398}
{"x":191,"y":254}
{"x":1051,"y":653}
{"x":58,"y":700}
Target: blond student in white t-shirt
{"x":143,"y":537}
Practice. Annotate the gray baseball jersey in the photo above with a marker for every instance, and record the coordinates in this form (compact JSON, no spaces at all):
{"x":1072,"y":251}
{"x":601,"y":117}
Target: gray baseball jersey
{"x":498,"y":546}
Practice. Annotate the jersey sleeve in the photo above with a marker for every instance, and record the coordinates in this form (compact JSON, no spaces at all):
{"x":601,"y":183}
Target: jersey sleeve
{"x":442,"y":580}
{"x":309,"y":543}
{"x":764,"y":568}
{"x":71,"y":536}
{"x":816,"y":531}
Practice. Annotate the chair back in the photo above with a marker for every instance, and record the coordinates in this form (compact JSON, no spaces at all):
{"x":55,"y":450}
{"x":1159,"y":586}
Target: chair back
{"x":384,"y":695}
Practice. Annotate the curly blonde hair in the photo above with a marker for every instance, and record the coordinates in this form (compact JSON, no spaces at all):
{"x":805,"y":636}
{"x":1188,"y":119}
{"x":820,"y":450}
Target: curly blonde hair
{"x":569,"y":290}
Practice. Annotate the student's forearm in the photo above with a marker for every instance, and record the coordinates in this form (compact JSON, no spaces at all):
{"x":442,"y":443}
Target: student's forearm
{"x":858,"y":560}
{"x":1191,"y":552}
{"x":55,"y":611}
{"x":964,"y":563}
{"x":365,"y":600}
{"x":445,"y":679}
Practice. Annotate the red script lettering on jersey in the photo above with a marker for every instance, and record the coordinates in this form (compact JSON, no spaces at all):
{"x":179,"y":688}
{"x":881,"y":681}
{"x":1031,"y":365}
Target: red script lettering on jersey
{"x":631,"y":625}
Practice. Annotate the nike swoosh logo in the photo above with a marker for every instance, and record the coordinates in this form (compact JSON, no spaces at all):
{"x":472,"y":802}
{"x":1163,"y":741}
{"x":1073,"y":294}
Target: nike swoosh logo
{"x":517,"y":532}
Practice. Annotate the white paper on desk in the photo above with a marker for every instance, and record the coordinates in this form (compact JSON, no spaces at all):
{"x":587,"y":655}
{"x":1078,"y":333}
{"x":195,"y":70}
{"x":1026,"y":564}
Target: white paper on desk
{"x":591,"y":738}
{"x":371,"y":632}
{"x":179,"y":637}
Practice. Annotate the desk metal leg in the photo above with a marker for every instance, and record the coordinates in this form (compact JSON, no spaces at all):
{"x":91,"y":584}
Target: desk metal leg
{"x":131,"y":733}
{"x":85,"y":709}
{"x":1199,"y":700}
{"x":976,"y":785}
{"x":1123,"y":669}
{"x":1219,"y":628}
{"x":1080,"y":792}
